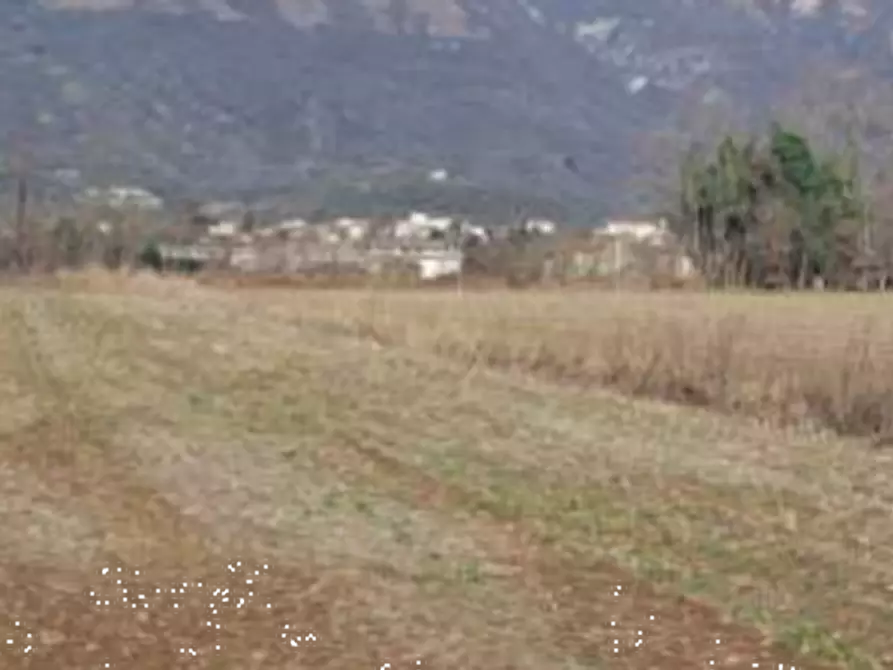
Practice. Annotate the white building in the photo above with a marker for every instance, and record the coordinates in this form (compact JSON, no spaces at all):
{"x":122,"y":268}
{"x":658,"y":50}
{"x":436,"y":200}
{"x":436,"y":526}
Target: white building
{"x":124,"y":196}
{"x":245,"y":259}
{"x":655,"y":232}
{"x":421,"y":225}
{"x":353,"y":229}
{"x":223,"y":229}
{"x":291,"y":225}
{"x":434,"y":266}
{"x":540,"y":226}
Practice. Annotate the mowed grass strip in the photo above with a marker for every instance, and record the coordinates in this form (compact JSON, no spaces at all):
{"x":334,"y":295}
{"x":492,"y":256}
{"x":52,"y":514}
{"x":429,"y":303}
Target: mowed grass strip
{"x":510,"y":492}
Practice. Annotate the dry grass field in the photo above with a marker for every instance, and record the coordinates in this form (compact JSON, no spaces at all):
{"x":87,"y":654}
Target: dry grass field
{"x":440,"y":481}
{"x":819,"y":359}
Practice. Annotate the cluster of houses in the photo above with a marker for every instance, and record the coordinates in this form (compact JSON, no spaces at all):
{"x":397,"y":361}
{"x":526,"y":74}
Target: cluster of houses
{"x":428,"y":245}
{"x":224,"y":236}
{"x":227,"y":236}
{"x":431,"y":244}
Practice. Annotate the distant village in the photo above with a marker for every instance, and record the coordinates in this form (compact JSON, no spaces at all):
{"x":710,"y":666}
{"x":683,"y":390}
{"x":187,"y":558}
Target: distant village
{"x":227,"y":236}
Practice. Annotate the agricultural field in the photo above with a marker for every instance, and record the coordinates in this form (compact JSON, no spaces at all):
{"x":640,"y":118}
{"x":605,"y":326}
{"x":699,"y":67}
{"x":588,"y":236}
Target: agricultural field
{"x":441,"y":480}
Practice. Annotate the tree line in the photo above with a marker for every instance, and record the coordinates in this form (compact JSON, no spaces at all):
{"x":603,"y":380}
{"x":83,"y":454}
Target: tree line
{"x":768,"y":210}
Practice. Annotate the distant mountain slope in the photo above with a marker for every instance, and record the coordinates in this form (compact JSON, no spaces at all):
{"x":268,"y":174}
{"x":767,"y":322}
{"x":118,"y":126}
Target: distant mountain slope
{"x":553,"y":98}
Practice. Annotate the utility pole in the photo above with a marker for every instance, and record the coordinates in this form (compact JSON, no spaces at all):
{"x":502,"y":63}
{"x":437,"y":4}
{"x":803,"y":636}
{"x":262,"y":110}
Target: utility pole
{"x":20,"y":216}
{"x":21,"y":222}
{"x":20,"y":161}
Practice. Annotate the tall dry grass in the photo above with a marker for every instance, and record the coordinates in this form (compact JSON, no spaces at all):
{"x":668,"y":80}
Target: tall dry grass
{"x":820,"y":359}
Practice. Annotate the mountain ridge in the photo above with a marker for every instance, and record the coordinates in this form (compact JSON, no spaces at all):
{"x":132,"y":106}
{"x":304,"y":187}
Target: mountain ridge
{"x":210,"y":95}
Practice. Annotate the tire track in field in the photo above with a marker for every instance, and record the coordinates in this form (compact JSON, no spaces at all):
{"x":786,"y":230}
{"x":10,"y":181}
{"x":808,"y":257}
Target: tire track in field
{"x":578,"y":593}
{"x":78,"y":452}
